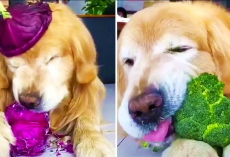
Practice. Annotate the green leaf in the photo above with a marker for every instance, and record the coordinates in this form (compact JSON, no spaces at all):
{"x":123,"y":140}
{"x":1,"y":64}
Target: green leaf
{"x":96,"y":7}
{"x":94,"y":2}
{"x":99,"y":12}
{"x":83,"y":8}
{"x":89,"y":2}
{"x":103,"y":3}
{"x":144,"y":145}
{"x":155,"y":149}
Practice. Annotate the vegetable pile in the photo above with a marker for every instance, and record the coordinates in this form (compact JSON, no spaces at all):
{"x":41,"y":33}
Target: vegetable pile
{"x":29,"y":128}
{"x":205,"y":113}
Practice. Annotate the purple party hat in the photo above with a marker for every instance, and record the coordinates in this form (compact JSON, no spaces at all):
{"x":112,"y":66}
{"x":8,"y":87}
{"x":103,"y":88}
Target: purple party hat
{"x":22,"y":26}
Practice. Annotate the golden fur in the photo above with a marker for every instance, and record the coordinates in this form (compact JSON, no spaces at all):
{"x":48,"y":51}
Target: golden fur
{"x":205,"y":24}
{"x":78,"y":114}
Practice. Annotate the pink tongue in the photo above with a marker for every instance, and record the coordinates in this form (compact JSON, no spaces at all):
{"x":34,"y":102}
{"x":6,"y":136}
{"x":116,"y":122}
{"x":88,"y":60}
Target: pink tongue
{"x":158,"y":135}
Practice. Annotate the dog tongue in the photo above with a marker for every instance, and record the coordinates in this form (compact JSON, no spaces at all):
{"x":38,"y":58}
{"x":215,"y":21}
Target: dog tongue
{"x":158,"y":135}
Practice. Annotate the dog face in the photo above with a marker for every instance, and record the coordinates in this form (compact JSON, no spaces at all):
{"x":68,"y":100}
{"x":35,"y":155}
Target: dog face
{"x":41,"y":77}
{"x":50,"y":71}
{"x":159,"y":51}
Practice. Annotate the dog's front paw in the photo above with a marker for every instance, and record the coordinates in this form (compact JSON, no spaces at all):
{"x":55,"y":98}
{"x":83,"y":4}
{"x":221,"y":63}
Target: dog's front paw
{"x":189,"y":148}
{"x":6,"y":137}
{"x":4,"y":147}
{"x":91,"y":147}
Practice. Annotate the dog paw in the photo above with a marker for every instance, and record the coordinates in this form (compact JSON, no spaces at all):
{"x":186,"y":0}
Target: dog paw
{"x":6,"y":137}
{"x":189,"y":148}
{"x":4,"y":147}
{"x":95,"y":148}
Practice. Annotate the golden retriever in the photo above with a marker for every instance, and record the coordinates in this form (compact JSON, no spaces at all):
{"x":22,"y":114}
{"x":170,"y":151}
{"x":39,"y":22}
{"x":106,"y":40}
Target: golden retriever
{"x":159,"y":50}
{"x":61,"y":70}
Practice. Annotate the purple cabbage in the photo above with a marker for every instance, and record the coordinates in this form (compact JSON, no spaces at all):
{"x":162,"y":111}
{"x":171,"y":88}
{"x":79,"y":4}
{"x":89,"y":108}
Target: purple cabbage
{"x":30,"y":129}
{"x":26,"y":27}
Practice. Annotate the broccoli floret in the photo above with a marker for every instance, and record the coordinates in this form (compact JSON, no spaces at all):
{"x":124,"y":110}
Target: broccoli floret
{"x":205,"y":112}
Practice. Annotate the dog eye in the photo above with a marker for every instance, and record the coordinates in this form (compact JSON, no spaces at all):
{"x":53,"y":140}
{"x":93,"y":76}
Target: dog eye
{"x":15,"y":66}
{"x":179,"y":49}
{"x":129,"y":62}
{"x":52,"y":58}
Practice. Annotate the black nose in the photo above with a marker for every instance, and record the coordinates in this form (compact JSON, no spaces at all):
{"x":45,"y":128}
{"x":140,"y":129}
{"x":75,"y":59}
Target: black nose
{"x":145,"y":108}
{"x":30,"y":101}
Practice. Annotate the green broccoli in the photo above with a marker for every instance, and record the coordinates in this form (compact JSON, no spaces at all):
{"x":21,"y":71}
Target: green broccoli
{"x":4,"y":12}
{"x":205,"y":112}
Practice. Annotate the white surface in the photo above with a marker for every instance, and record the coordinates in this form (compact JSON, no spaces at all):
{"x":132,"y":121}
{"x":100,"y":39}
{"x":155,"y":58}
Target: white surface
{"x":109,"y":116}
{"x":53,"y":154}
{"x":127,"y":147}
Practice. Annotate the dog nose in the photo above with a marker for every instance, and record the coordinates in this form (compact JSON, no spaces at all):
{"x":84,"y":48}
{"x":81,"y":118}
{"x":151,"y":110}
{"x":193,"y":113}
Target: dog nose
{"x":145,"y":108}
{"x":30,"y":101}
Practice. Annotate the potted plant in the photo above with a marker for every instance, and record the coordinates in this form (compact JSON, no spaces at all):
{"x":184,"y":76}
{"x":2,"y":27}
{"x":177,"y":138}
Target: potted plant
{"x":97,"y":7}
{"x":100,"y":20}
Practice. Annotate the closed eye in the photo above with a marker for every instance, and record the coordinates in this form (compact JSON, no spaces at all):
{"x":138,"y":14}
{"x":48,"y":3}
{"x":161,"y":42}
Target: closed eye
{"x":14,"y":66}
{"x":179,"y":49}
{"x":52,"y":58}
{"x":15,"y":62}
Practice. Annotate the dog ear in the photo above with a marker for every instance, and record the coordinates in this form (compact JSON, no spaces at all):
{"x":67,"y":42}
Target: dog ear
{"x":121,"y":82}
{"x":5,"y":91}
{"x":4,"y":83}
{"x":84,"y":55}
{"x":88,"y":91}
{"x":80,"y":41}
{"x":218,"y":40}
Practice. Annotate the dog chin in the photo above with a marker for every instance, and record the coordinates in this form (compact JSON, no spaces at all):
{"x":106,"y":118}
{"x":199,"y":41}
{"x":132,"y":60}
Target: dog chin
{"x":164,"y":143}
{"x":42,"y":109}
